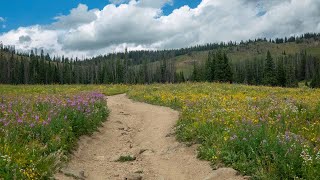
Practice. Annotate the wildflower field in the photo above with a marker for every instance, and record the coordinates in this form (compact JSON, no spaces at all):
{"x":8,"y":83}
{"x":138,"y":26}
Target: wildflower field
{"x":264,"y":132}
{"x":40,"y":125}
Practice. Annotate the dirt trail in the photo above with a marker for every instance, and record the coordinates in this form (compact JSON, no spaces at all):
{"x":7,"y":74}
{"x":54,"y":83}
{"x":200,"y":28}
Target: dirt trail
{"x":145,"y":132}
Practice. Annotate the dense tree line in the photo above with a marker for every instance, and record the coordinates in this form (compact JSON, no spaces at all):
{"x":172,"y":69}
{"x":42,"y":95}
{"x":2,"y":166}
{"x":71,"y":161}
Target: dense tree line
{"x":216,"y":69}
{"x":159,"y":66}
{"x":284,"y":71}
{"x":42,"y":69}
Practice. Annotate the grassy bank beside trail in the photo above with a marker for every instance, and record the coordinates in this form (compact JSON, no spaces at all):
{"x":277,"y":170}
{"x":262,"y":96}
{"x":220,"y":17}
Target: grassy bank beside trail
{"x":267,"y":133}
{"x":40,"y":125}
{"x":21,"y":90}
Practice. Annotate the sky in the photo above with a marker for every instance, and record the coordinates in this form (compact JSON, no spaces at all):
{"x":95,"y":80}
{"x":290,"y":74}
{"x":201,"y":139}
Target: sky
{"x":86,"y":28}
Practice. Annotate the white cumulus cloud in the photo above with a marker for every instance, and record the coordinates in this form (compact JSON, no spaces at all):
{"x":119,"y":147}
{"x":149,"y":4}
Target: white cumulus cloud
{"x":142,"y":25}
{"x":78,"y":16}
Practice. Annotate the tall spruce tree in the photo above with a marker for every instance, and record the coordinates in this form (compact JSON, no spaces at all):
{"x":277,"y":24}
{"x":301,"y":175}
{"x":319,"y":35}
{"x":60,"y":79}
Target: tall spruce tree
{"x":291,"y":80}
{"x":227,"y":69}
{"x":195,"y":73}
{"x":303,"y":65}
{"x":220,"y":67}
{"x":315,"y":82}
{"x":281,"y":74}
{"x":269,"y":77}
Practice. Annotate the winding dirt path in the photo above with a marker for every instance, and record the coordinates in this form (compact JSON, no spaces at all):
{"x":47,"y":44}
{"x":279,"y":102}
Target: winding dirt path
{"x":145,"y":132}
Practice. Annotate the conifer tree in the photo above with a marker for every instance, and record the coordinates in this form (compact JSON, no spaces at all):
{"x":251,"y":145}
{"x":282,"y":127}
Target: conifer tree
{"x":281,"y":74}
{"x":291,"y":80}
{"x":195,"y":74}
{"x":220,"y":67}
{"x":227,"y":68}
{"x":315,"y":82}
{"x":269,"y":78}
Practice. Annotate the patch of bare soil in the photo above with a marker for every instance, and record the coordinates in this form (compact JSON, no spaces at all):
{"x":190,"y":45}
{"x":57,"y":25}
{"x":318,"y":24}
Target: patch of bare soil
{"x":142,"y":135}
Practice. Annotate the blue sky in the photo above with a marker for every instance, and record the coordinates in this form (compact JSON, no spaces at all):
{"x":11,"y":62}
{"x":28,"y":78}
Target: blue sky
{"x":93,"y":27}
{"x":24,"y":13}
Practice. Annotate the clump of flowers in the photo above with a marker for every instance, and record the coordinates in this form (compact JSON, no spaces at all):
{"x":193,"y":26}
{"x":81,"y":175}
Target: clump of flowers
{"x":34,"y":128}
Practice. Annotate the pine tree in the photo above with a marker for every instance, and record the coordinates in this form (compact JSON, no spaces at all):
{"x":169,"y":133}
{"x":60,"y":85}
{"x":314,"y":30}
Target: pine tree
{"x":208,"y":69}
{"x":182,"y":78}
{"x":220,"y":67}
{"x":291,"y":80}
{"x":227,"y":68}
{"x":163,"y":70}
{"x":303,"y":65}
{"x":195,"y":74}
{"x":21,"y":79}
{"x":281,"y":74}
{"x":269,"y":78}
{"x":315,"y":82}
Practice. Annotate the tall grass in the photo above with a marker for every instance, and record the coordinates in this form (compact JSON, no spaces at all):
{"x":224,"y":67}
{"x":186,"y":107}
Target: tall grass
{"x":38,"y":129}
{"x":267,"y":133}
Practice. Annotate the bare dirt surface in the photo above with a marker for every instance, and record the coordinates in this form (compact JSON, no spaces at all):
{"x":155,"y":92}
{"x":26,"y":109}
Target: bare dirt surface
{"x":145,"y":132}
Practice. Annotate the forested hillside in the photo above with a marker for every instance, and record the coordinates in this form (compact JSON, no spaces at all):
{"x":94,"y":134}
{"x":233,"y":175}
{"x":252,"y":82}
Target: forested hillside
{"x":279,"y":62}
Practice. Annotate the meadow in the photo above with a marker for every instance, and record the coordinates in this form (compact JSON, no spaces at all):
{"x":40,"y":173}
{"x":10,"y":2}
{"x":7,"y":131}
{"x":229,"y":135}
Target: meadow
{"x":263,"y":132}
{"x":40,"y":125}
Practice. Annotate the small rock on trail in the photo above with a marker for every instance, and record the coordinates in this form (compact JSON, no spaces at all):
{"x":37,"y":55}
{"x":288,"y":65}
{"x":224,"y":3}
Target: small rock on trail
{"x":133,"y":176}
{"x":80,"y":175}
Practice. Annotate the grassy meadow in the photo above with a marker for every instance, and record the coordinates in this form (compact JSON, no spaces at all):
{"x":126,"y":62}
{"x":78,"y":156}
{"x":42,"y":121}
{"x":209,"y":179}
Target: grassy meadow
{"x":40,"y":125}
{"x":263,"y":132}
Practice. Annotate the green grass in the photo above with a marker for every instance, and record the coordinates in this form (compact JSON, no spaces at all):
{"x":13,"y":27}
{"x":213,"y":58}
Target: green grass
{"x":40,"y":125}
{"x":263,"y":132}
{"x":61,"y":89}
{"x":127,"y":158}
